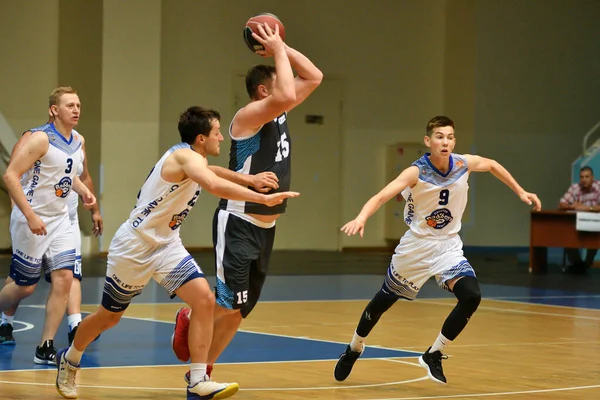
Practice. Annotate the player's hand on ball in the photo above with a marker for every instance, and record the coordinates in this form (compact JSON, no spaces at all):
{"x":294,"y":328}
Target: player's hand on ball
{"x":270,"y":39}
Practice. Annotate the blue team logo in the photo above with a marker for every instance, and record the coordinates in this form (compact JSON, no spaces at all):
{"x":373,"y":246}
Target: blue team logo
{"x":178,"y":219}
{"x":63,"y":187}
{"x":439,"y":218}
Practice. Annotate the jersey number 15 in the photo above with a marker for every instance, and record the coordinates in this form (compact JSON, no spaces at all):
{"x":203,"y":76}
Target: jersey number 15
{"x":283,"y":148}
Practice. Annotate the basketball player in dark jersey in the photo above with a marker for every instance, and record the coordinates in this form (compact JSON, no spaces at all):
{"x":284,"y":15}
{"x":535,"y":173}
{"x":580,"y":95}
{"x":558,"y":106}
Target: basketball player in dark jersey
{"x":243,"y":232}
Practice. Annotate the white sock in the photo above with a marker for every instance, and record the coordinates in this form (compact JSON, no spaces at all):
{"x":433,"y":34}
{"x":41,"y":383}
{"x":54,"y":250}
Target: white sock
{"x":357,"y":343}
{"x":7,"y":319}
{"x":197,"y":373}
{"x":440,"y":343}
{"x":73,"y":356}
{"x":73,"y":320}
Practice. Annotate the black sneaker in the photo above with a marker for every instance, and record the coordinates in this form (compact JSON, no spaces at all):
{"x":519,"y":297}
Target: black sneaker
{"x":432,"y":362}
{"x":71,"y":335}
{"x":46,"y":354}
{"x":345,"y":364}
{"x":6,"y":336}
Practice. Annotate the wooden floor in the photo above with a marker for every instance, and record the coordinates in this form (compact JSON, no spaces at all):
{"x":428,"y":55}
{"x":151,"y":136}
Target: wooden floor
{"x":509,"y":350}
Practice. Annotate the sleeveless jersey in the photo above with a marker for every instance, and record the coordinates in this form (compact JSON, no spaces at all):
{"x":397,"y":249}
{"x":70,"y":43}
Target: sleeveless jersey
{"x":269,"y":149}
{"x":48,"y":184}
{"x":435,"y":205}
{"x":162,"y":206}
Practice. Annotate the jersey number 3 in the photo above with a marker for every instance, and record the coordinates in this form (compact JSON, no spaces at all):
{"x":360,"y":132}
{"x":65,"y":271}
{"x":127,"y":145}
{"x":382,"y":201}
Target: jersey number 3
{"x":69,"y":166}
{"x":444,"y":197}
{"x":283,"y":148}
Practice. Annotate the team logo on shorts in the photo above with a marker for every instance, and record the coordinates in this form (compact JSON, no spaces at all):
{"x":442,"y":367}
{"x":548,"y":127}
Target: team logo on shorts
{"x":439,"y":218}
{"x":63,"y":188}
{"x":178,"y":219}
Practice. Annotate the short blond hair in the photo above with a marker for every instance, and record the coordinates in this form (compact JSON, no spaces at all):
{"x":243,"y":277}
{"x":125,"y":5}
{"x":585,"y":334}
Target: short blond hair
{"x":57,"y":93}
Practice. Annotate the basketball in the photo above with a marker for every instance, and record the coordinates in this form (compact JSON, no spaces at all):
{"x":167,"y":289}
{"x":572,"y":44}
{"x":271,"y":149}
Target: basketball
{"x":252,"y":26}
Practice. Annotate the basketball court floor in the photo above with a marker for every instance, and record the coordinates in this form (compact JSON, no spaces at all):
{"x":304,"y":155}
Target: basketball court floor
{"x":523,"y":343}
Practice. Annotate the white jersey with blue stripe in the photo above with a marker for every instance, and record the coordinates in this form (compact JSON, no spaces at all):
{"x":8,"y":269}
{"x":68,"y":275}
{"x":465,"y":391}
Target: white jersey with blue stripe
{"x":435,"y":205}
{"x":162,"y":206}
{"x":48,"y":183}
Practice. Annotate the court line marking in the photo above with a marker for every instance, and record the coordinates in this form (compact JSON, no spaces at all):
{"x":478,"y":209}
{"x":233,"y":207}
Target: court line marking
{"x":456,"y":396}
{"x":313,"y":388}
{"x":241,"y":390}
{"x":508,"y":310}
{"x":27,"y":326}
{"x":182,"y":365}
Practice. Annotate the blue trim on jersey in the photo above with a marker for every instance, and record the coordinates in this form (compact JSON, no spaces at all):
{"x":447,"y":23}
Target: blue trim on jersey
{"x":245,"y":148}
{"x":51,"y":125}
{"x":426,"y":157}
{"x":178,"y":146}
{"x":38,"y":128}
{"x":428,"y":173}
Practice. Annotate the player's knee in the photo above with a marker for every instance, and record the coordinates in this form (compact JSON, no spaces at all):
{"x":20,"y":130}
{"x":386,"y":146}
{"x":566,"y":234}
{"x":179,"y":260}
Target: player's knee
{"x":380,"y":304}
{"x":205,"y":300}
{"x":26,"y":291}
{"x":468,"y":293}
{"x":61,"y":280}
{"x":109,"y":319}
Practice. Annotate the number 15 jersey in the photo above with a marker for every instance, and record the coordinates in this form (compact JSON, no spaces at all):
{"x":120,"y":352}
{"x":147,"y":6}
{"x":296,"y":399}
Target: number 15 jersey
{"x":269,"y":149}
{"x":435,"y":205}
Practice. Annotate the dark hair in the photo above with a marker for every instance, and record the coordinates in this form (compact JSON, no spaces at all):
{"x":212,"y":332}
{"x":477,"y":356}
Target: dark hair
{"x":586,"y":168}
{"x":258,"y":75}
{"x":196,"y":121}
{"x":438,"y":122}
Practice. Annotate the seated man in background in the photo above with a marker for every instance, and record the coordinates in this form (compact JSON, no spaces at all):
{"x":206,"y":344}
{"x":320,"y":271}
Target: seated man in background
{"x":582,"y":196}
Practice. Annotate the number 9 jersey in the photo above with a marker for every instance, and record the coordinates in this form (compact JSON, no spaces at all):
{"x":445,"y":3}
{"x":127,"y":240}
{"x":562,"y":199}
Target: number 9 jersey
{"x":435,"y":205}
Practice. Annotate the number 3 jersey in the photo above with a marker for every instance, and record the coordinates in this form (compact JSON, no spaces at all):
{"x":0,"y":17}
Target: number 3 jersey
{"x":162,"y":206}
{"x":48,"y":184}
{"x":269,"y":149}
{"x":435,"y":205}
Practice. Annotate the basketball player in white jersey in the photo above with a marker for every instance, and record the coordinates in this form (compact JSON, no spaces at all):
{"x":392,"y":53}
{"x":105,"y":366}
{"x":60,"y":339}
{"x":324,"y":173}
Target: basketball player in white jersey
{"x":39,"y":179}
{"x":148,"y":246}
{"x":244,"y":232}
{"x":74,"y":302}
{"x":435,"y":188}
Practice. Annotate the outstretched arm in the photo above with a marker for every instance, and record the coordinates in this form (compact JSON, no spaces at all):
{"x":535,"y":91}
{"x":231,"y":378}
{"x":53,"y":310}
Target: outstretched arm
{"x":263,"y":182}
{"x":482,"y":164}
{"x":407,"y":178}
{"x":196,"y":168}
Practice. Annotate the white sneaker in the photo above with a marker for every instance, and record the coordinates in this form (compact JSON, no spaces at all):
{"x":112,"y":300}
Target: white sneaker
{"x":209,"y":390}
{"x":65,"y":379}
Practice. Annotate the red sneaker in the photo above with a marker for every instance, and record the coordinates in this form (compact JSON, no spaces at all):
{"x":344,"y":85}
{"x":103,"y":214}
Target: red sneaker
{"x":179,"y":340}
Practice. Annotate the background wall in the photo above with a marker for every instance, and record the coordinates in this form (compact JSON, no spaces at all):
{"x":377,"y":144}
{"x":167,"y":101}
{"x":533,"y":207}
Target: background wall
{"x":520,"y":78}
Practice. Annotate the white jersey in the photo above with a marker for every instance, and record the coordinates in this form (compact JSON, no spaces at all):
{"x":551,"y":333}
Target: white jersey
{"x":162,"y":206}
{"x":435,"y":205}
{"x":48,"y":184}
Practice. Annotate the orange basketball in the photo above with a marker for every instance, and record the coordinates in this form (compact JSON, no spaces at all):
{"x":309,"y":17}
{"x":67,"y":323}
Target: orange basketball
{"x":252,"y":26}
